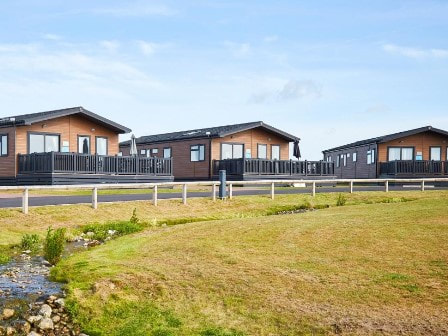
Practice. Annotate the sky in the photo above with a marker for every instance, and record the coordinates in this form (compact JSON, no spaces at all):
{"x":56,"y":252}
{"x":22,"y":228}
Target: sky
{"x":329,"y":72}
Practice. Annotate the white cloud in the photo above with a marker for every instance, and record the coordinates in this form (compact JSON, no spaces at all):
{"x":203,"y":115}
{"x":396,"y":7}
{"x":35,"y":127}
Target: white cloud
{"x":289,"y":90}
{"x":415,"y":53}
{"x":136,"y":9}
{"x":147,"y":48}
{"x":110,"y":46}
{"x":52,"y":37}
{"x":239,"y":50}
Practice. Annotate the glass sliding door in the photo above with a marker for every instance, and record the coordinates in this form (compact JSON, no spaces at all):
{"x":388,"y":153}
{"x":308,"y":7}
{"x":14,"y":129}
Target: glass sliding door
{"x":43,"y":143}
{"x":101,"y":145}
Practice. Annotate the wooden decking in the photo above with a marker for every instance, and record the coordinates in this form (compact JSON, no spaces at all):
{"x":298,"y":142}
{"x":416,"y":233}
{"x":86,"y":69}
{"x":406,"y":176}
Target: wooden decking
{"x":414,"y":168}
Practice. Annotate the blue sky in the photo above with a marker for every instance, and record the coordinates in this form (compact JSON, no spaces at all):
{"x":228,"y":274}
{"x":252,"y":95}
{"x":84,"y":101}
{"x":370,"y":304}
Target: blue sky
{"x":329,"y":72}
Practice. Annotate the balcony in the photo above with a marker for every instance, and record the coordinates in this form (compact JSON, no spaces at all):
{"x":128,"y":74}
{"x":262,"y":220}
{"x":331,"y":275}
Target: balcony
{"x":74,"y":168}
{"x":414,"y":168}
{"x":282,"y":169}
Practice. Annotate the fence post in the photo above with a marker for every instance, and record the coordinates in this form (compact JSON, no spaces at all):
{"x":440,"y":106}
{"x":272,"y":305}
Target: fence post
{"x":386,"y":185}
{"x":184,"y":194}
{"x":223,"y":184}
{"x":272,"y":190}
{"x":230,"y":191}
{"x":154,"y":195}
{"x":214,"y":192}
{"x":351,"y":187}
{"x":423,"y":185}
{"x":314,"y":189}
{"x":95,"y":198}
{"x":25,"y":201}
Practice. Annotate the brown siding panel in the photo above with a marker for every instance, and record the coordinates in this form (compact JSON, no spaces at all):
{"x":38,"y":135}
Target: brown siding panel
{"x":7,"y":163}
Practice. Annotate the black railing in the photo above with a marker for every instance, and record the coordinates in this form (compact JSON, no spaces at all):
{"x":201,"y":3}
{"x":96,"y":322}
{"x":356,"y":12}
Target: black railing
{"x":273,"y":167}
{"x":93,"y":164}
{"x":411,"y":168}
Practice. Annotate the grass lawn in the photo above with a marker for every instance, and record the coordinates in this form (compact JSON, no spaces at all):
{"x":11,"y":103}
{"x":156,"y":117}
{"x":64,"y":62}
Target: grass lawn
{"x":378,"y":265}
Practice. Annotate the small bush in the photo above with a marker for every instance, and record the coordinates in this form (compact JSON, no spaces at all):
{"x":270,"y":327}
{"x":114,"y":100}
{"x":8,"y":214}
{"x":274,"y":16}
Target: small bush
{"x":54,"y":245}
{"x":4,"y":259}
{"x":341,"y":200}
{"x":30,"y":242}
{"x":134,"y":219}
{"x":101,"y":231}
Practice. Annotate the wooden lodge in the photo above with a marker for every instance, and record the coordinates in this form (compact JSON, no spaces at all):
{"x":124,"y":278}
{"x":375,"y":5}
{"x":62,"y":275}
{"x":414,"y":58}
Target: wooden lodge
{"x":70,"y":146}
{"x":421,"y":152}
{"x":246,"y":151}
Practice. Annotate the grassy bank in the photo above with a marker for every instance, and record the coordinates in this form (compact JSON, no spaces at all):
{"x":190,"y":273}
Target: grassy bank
{"x":376,"y":265}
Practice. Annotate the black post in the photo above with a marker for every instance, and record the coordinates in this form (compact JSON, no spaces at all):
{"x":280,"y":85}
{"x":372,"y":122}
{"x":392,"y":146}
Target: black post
{"x":223,"y":185}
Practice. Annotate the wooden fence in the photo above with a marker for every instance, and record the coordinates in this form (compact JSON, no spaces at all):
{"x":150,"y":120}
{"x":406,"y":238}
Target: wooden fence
{"x":214,"y":185}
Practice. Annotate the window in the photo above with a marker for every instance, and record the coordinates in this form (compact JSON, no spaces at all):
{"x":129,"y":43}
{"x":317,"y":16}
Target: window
{"x":400,"y":153}
{"x":101,"y":146}
{"x":371,"y":156}
{"x":262,"y":151}
{"x":344,"y":159}
{"x":197,"y":153}
{"x":143,"y":152}
{"x":167,"y":152}
{"x":329,"y":158}
{"x":43,"y":143}
{"x":355,"y":157}
{"x":231,"y":151}
{"x":155,"y":151}
{"x":275,"y":152}
{"x":84,"y":144}
{"x":435,"y":153}
{"x":338,"y":161}
{"x":3,"y":145}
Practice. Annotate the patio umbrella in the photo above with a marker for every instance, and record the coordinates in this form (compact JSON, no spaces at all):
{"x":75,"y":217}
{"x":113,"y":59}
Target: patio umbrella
{"x":133,"y":150}
{"x":296,"y":151}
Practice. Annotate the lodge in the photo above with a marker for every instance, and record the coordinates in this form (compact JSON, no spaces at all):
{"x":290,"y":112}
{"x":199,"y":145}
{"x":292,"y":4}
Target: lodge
{"x":420,"y":152}
{"x":70,"y":146}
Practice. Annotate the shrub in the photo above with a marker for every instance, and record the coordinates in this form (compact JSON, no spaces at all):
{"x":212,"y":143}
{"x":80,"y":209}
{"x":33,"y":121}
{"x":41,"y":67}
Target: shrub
{"x":341,"y":200}
{"x":4,"y":259}
{"x":54,"y":245}
{"x":101,"y":231}
{"x":30,"y":242}
{"x":134,"y":219}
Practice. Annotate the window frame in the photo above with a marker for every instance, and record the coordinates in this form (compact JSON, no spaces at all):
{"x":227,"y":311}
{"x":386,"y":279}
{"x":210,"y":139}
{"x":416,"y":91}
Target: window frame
{"x":143,"y":152}
{"x":344,"y":159}
{"x":7,"y":144}
{"x":154,"y":151}
{"x":233,"y":144}
{"x":279,"y":151}
{"x":430,"y":153}
{"x":258,"y":151}
{"x":338,"y":161}
{"x":107,"y":144}
{"x":90,"y":144}
{"x":171,"y":153}
{"x":401,"y":152}
{"x":199,"y":152}
{"x":44,"y":134}
{"x":355,"y":157}
{"x":371,"y":153}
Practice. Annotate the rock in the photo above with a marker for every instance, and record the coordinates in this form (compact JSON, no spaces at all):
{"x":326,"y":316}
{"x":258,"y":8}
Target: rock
{"x":34,"y":319}
{"x":33,"y":333}
{"x":83,"y":334}
{"x":10,"y":331}
{"x":7,"y":313}
{"x":23,"y":327}
{"x":60,"y":302}
{"x":56,"y":318}
{"x":90,"y":234}
{"x":52,"y":298}
{"x":45,"y":310}
{"x":46,"y":324}
{"x":26,"y":251}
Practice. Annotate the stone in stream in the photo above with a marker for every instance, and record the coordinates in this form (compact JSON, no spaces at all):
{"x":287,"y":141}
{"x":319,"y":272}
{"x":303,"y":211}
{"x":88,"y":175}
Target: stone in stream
{"x":34,"y":319}
{"x":7,"y":313}
{"x":45,"y":310}
{"x":10,"y":331}
{"x":33,"y":333}
{"x":46,"y":324}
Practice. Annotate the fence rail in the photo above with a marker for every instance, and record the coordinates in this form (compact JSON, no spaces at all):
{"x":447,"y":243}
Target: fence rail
{"x":411,"y":167}
{"x":213,"y":185}
{"x":75,"y":163}
{"x":273,"y":167}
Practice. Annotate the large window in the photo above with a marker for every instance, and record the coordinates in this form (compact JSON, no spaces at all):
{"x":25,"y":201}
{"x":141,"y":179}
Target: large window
{"x":101,"y":145}
{"x":231,"y":151}
{"x":167,"y":152}
{"x":400,"y":153}
{"x":275,"y":152}
{"x":197,"y":153}
{"x":43,"y":143}
{"x":3,"y":145}
{"x":371,"y":156}
{"x":84,"y":144}
{"x":262,"y":151}
{"x":435,"y":153}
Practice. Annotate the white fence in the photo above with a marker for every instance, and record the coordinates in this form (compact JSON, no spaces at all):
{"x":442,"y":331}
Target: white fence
{"x":214,"y":185}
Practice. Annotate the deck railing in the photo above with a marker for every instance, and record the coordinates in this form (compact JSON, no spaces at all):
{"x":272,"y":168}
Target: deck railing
{"x":93,"y":164}
{"x":411,"y":168}
{"x":273,"y":167}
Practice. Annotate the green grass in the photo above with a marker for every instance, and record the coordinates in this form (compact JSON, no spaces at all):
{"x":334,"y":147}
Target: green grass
{"x":377,"y":265}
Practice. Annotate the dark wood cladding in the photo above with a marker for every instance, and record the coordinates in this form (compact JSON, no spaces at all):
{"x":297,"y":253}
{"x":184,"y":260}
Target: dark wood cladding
{"x":354,"y":169}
